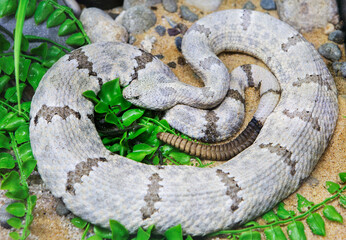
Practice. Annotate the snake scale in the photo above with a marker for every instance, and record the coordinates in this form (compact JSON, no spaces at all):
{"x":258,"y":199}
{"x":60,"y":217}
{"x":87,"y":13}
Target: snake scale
{"x":98,"y":185}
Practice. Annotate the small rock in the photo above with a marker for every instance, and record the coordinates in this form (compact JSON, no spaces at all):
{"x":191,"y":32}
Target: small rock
{"x":170,"y":21}
{"x":187,"y":14}
{"x":161,"y":30}
{"x":170,"y":5}
{"x":337,"y":66}
{"x":102,"y":4}
{"x":4,"y":215}
{"x":268,"y":4}
{"x":154,"y":8}
{"x":74,"y":6}
{"x":138,"y":19}
{"x":329,"y":28}
{"x":148,"y":3}
{"x":343,"y":69}
{"x":249,"y":5}
{"x":147,"y":43}
{"x":337,"y":36}
{"x":178,"y":43}
{"x":206,"y":5}
{"x":330,"y":51}
{"x":173,"y":31}
{"x":159,"y":56}
{"x":104,"y":29}
{"x":181,"y":61}
{"x":132,"y":39}
{"x":61,"y":209}
{"x":172,"y":64}
{"x":182,"y":27}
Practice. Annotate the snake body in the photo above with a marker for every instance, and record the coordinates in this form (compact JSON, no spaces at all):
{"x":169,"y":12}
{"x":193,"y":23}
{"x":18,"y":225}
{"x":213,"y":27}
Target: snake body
{"x":98,"y":185}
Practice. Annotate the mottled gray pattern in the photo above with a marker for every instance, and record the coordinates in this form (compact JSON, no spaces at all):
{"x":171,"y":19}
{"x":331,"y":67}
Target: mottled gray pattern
{"x":49,"y":112}
{"x":202,"y":200}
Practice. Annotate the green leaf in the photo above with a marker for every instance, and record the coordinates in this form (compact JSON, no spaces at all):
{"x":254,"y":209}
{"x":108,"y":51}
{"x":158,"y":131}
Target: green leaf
{"x":102,"y":232}
{"x":112,"y":118}
{"x":24,"y":45}
{"x":20,"y":193}
{"x":316,"y":224}
{"x":270,"y":217}
{"x":133,"y":135}
{"x":251,"y":223}
{"x":11,"y":182}
{"x":35,"y":74}
{"x":274,"y":233}
{"x":180,"y":157}
{"x":25,"y":152}
{"x":142,"y":235}
{"x":28,"y":167}
{"x":342,"y":200}
{"x":8,"y":7}
{"x":7,"y":64}
{"x":342,"y":177}
{"x":17,"y":209}
{"x":283,"y":213}
{"x":76,"y":40}
{"x":115,"y":148}
{"x":30,"y":8}
{"x":109,"y":93}
{"x":31,"y":202}
{"x":4,"y":44}
{"x":25,"y":106}
{"x":43,"y":10}
{"x":3,"y":82}
{"x":68,"y":27}
{"x":40,"y":50}
{"x":332,"y":187}
{"x":14,"y":235}
{"x":11,"y":122}
{"x":6,"y":160}
{"x":119,"y":232}
{"x":91,"y":95}
{"x":303,"y":203}
{"x":78,"y":222}
{"x":15,"y":222}
{"x":95,"y":237}
{"x":140,"y":151}
{"x":250,"y":235}
{"x":22,"y":134}
{"x":101,"y":107}
{"x":331,"y":214}
{"x":174,"y":233}
{"x":11,"y":93}
{"x":24,"y":65}
{"x":54,"y":53}
{"x":189,"y":238}
{"x":4,"y":142}
{"x":131,"y":116}
{"x":295,"y":231}
{"x":3,"y":112}
{"x":56,"y":18}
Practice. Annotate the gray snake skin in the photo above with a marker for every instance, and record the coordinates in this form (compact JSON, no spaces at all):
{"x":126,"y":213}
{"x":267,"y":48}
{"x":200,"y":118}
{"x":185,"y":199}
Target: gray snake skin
{"x":98,"y":185}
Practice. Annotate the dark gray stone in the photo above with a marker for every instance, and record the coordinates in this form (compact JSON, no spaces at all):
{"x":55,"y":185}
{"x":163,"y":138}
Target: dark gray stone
{"x":138,"y":19}
{"x":249,"y":5}
{"x":61,"y":209}
{"x":173,"y":31}
{"x":337,"y":36}
{"x":170,"y":5}
{"x":159,"y":56}
{"x":172,"y":64}
{"x":330,"y":51}
{"x":187,"y":14}
{"x":178,"y":43}
{"x":131,"y":3}
{"x":182,"y":27}
{"x":343,"y":69}
{"x":268,"y":4}
{"x":161,"y":30}
{"x":132,"y":39}
{"x":336,"y":66}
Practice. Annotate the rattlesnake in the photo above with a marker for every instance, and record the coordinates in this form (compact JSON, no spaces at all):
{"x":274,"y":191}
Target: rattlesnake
{"x":98,"y":185}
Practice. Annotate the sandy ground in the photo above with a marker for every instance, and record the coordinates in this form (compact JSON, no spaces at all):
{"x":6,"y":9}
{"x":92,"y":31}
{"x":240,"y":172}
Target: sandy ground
{"x":48,"y":225}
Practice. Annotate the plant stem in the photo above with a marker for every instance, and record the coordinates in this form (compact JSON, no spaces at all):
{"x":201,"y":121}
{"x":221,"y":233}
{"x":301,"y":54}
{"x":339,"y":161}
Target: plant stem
{"x":32,"y":38}
{"x":160,"y":124}
{"x":19,"y":160}
{"x":13,"y":109}
{"x":312,"y":209}
{"x":8,"y":33}
{"x":22,"y":55}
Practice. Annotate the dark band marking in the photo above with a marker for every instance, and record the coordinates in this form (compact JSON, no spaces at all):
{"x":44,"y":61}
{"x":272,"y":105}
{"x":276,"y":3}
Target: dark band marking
{"x":248,"y":71}
{"x":292,"y":41}
{"x":152,"y":196}
{"x":141,"y":60}
{"x":304,"y":115}
{"x":283,"y":152}
{"x":232,"y":188}
{"x":49,"y":112}
{"x":83,"y":62}
{"x":200,"y":28}
{"x":211,"y":129}
{"x":246,"y":17}
{"x":81,"y":169}
{"x":315,"y":78}
{"x":271,"y":91}
{"x":235,"y":95}
{"x":208,"y":62}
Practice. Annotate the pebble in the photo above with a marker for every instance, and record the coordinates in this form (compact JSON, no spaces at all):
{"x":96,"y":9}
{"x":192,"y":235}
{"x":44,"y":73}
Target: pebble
{"x":132,"y":39}
{"x":181,"y":61}
{"x":187,"y":14}
{"x":147,"y":43}
{"x":172,"y":64}
{"x":305,"y":15}
{"x":178,"y":43}
{"x":170,"y":5}
{"x":102,"y":4}
{"x":249,"y":5}
{"x":104,"y":29}
{"x":329,"y":28}
{"x":159,"y":56}
{"x":337,"y":66}
{"x":161,"y":30}
{"x":206,"y":5}
{"x":4,"y":215}
{"x":173,"y":31}
{"x":268,"y":4}
{"x":74,"y":6}
{"x":343,"y":69}
{"x":61,"y":209}
{"x":337,"y":36}
{"x":182,"y":27}
{"x":138,"y":19}
{"x":330,"y":51}
{"x":148,"y":3}
{"x":170,"y":21}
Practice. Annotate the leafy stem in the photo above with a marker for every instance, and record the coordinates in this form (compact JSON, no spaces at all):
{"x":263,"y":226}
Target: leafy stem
{"x":19,"y":160}
{"x":15,"y":110}
{"x":22,"y":55}
{"x":159,"y":124}
{"x":37,"y":38}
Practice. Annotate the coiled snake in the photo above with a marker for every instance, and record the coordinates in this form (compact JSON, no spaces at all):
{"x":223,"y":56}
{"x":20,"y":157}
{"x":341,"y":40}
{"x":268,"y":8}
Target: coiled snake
{"x":98,"y":185}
